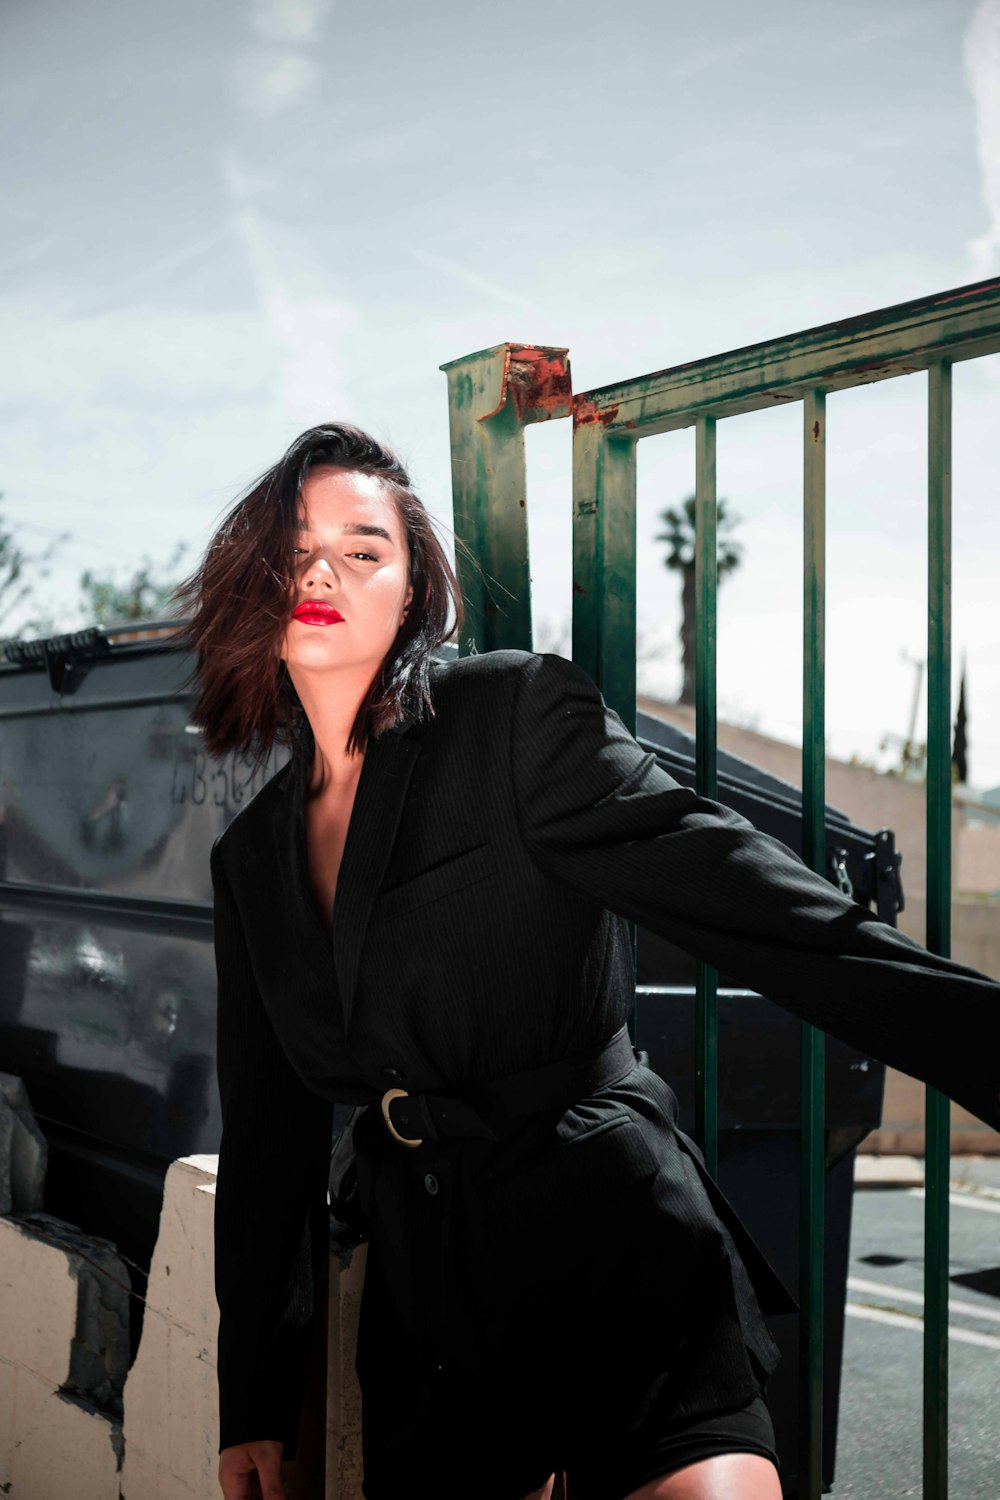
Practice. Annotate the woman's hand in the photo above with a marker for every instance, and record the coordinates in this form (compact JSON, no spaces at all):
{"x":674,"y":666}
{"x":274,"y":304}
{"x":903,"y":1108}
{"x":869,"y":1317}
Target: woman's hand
{"x":239,"y":1464}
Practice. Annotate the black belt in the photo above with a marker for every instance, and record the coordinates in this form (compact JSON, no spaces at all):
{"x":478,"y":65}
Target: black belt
{"x":502,"y":1102}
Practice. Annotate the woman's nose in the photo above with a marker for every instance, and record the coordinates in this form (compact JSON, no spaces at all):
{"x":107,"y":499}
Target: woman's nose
{"x":319,"y":572}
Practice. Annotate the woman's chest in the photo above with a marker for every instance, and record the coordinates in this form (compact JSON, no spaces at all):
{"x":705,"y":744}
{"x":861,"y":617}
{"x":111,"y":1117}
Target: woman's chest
{"x":460,"y":956}
{"x":325,"y":826}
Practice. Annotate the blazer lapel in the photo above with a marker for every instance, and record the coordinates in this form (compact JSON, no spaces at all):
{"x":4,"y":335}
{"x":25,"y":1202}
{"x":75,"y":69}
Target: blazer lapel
{"x":371,"y":833}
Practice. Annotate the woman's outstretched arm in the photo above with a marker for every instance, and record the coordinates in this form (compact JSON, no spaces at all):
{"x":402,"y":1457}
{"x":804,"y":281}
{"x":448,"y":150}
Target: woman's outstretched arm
{"x":271,"y":1213}
{"x":597,"y":812}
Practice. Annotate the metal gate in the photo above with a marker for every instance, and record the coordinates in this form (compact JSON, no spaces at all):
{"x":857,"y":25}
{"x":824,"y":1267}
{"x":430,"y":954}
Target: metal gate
{"x":492,"y":395}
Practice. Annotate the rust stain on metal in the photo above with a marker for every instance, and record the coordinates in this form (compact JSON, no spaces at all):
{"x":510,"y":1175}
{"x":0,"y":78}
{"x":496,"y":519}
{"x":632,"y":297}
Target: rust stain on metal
{"x":816,"y":432}
{"x":969,"y":291}
{"x":578,"y":588}
{"x":872,"y":366}
{"x":587,"y":413}
{"x":541,"y":381}
{"x":538,"y":380}
{"x":503,"y":388}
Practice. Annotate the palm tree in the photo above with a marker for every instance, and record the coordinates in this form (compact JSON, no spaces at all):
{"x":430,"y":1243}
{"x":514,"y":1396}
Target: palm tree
{"x":679,"y":536}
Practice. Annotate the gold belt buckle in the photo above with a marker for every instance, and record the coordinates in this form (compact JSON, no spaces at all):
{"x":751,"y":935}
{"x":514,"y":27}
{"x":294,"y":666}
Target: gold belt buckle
{"x":387,"y":1099}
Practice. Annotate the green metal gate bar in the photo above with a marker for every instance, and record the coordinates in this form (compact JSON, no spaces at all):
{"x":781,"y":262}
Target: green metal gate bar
{"x":492,"y":396}
{"x":938,"y":812}
{"x":706,"y":578}
{"x":812,"y":1062}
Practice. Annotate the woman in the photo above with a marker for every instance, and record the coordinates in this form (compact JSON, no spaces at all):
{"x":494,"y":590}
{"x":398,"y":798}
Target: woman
{"x":426,"y":912}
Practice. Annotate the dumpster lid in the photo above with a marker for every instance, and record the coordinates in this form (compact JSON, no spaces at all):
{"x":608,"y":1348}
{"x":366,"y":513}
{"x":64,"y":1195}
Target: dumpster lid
{"x":58,"y":654}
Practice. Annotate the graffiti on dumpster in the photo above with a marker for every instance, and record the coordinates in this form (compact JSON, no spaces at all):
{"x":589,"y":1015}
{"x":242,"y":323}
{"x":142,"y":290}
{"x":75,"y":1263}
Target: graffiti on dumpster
{"x":200,"y":779}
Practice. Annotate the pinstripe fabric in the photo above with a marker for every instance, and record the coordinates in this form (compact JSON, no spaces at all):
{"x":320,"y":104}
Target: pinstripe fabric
{"x":494,"y":855}
{"x":270,"y":1218}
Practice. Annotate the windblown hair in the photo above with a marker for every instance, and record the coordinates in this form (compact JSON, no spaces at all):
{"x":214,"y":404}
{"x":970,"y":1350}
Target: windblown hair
{"x":237,"y":603}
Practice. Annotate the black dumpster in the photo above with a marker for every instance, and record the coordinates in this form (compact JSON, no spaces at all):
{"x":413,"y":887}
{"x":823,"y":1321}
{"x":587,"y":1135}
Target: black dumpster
{"x":758,"y":1064}
{"x":107,"y":976}
{"x":107,"y":981}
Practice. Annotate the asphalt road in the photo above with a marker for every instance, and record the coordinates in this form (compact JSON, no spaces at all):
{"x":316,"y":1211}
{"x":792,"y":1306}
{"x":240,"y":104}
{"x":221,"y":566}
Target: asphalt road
{"x":879,"y":1447}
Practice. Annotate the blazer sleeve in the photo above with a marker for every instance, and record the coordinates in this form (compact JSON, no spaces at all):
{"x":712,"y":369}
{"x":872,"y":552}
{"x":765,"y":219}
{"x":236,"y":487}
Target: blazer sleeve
{"x":597,"y":813}
{"x":271,"y":1212}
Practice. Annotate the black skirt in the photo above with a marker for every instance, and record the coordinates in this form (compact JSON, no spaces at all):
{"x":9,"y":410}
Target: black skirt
{"x":516,"y":1323}
{"x":475,"y":1441}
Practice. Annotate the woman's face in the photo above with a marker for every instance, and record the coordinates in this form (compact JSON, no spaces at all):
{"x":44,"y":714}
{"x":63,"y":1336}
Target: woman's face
{"x":351,"y":554}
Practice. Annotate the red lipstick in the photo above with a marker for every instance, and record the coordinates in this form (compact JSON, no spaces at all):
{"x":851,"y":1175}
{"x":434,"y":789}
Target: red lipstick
{"x":315,"y":612}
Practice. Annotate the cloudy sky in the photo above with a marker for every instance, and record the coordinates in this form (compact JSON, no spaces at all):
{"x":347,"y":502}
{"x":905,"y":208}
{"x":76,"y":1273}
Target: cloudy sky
{"x":224,"y":223}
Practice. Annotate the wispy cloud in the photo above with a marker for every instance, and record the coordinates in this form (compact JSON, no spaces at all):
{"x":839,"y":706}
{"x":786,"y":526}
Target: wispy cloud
{"x":982,"y":71}
{"x":241,"y":180}
{"x":304,"y":318}
{"x":711,"y":59}
{"x":306,"y":321}
{"x":291,"y":22}
{"x":268,"y":80}
{"x":29,"y":253}
{"x":158,"y":272}
{"x":276,"y":71}
{"x":381,"y":147}
{"x":492,"y":289}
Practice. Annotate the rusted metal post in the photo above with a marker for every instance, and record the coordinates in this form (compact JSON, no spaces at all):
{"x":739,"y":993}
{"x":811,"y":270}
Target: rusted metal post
{"x":492,"y":395}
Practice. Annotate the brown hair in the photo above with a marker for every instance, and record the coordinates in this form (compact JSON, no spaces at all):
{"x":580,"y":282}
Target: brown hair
{"x":238,"y":601}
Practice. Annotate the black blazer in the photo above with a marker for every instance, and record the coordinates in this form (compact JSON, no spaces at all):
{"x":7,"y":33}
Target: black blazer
{"x":495,"y":853}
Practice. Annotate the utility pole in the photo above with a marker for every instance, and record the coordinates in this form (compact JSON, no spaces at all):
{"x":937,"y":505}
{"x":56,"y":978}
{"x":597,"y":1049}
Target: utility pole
{"x":913,"y":755}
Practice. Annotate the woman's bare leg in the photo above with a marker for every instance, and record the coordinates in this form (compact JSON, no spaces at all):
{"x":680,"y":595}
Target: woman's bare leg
{"x":751,"y":1476}
{"x":748,"y":1475}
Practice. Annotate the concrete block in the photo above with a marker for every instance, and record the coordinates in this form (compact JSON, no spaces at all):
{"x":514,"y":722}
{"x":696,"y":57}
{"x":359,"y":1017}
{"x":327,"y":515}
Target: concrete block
{"x":171,"y":1396}
{"x":65,"y":1448}
{"x":64,"y":1357}
{"x":64,"y":1314}
{"x":24,"y":1151}
{"x":343,"y":1413}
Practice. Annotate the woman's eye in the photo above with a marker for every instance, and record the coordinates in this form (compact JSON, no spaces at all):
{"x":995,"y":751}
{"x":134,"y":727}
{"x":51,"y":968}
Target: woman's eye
{"x":369,"y":555}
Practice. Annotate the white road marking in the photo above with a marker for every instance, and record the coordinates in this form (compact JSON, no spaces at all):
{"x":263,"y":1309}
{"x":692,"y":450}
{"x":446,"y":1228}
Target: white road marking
{"x":979,"y":1189}
{"x":964,"y":1200}
{"x":915,"y":1323}
{"x":883,"y":1289}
